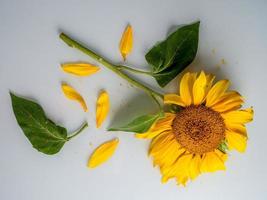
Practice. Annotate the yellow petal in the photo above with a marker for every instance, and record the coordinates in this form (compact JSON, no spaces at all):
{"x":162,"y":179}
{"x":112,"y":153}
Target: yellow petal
{"x":211,"y":162}
{"x":179,"y":169}
{"x":239,"y":116}
{"x":199,"y":88}
{"x":194,"y":167}
{"x":216,"y":92}
{"x":72,"y":94}
{"x":79,"y":69}
{"x":103,"y":153}
{"x":126,"y":43}
{"x":102,"y":108}
{"x":229,"y":101}
{"x":236,"y":141}
{"x":238,"y":128}
{"x":158,"y":127}
{"x":222,"y":155}
{"x":173,"y":99}
{"x":186,"y":87}
{"x":210,"y":78}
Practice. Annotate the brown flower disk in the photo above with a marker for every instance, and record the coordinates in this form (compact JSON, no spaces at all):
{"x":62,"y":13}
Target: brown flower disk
{"x":198,"y":129}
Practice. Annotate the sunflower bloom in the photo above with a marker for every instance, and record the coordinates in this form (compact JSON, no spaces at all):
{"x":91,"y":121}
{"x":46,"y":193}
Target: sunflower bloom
{"x":187,"y":143}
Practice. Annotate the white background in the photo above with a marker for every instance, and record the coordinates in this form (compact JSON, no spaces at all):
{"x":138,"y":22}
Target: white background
{"x":30,"y":54}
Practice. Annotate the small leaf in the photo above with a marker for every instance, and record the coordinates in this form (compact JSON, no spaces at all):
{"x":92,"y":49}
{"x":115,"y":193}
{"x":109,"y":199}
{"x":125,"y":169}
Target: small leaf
{"x":103,"y":153}
{"x":223,"y":147}
{"x":102,"y":108}
{"x":139,"y":125}
{"x":171,"y":56}
{"x":126,"y":43}
{"x":44,"y":135}
{"x":80,"y":69}
{"x":72,"y":94}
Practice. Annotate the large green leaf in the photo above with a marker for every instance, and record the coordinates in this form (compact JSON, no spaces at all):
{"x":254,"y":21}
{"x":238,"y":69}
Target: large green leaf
{"x":44,"y":135}
{"x":171,"y":56}
{"x":138,"y":125}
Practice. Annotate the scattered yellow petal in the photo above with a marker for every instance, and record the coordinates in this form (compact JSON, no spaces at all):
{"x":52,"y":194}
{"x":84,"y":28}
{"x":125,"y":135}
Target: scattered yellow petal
{"x":102,"y":108}
{"x":126,"y":43}
{"x":72,"y":94}
{"x":79,"y":69}
{"x":103,"y":153}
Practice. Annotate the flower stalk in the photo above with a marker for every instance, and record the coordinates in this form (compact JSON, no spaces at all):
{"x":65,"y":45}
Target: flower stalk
{"x":85,"y":125}
{"x":116,"y":69}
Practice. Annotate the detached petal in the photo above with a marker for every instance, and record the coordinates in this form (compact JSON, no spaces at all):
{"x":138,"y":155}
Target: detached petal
{"x":102,"y":108}
{"x":103,"y":153}
{"x":80,"y":69}
{"x":126,"y":43}
{"x":72,"y":94}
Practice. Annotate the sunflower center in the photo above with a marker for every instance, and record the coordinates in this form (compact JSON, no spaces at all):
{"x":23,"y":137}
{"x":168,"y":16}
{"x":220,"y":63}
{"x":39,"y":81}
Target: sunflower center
{"x":198,"y":129}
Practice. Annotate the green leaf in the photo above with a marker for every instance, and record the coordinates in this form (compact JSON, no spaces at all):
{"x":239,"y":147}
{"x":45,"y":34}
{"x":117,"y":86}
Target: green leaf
{"x":171,"y":56}
{"x":140,"y":124}
{"x":44,"y":135}
{"x":223,"y":147}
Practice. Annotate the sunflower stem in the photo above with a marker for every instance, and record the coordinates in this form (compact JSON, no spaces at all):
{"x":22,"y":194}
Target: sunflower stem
{"x":75,"y":133}
{"x":123,"y":67}
{"x":118,"y":70}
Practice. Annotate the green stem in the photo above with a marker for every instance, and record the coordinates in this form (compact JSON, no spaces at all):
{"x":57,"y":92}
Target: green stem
{"x":78,"y":131}
{"x":72,"y":43}
{"x":123,"y":67}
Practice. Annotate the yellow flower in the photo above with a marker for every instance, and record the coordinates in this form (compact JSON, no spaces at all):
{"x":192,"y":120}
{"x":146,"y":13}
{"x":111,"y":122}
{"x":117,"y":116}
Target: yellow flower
{"x":72,"y":94}
{"x":102,"y":108}
{"x":80,"y":69}
{"x":187,"y":143}
{"x":126,"y":43}
{"x":103,"y":153}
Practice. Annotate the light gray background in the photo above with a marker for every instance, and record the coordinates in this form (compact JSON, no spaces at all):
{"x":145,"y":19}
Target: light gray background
{"x":31,"y":52}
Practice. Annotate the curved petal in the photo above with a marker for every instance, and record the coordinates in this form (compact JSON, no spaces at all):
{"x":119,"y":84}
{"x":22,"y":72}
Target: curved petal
{"x":216,"y":92}
{"x":229,"y":101}
{"x":179,"y":169}
{"x":199,"y":89}
{"x":72,"y":94}
{"x":236,"y":141}
{"x":126,"y":43}
{"x":80,"y":69}
{"x":239,"y":116}
{"x":194,"y":167}
{"x":173,"y":99}
{"x":186,"y":86}
{"x":158,"y":127}
{"x":102,"y":108}
{"x":222,"y":155}
{"x":238,"y":128}
{"x":103,"y":153}
{"x":211,"y":162}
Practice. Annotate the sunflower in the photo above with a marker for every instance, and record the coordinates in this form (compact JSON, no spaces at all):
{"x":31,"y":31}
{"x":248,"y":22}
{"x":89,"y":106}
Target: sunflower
{"x":194,"y":139}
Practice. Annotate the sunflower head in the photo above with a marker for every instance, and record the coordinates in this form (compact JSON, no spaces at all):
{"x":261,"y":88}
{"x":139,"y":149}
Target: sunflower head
{"x":188,"y":142}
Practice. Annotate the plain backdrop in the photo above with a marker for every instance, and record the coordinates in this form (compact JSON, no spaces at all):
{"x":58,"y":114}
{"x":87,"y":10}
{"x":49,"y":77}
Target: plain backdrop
{"x":233,"y":45}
